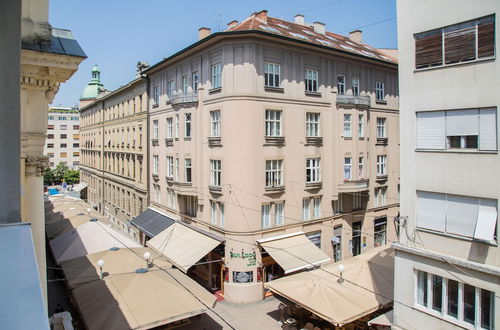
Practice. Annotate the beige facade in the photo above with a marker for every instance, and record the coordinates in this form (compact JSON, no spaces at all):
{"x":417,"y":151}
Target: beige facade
{"x":246,"y":155}
{"x":113,"y":154}
{"x":447,"y":268}
{"x":63,"y":137}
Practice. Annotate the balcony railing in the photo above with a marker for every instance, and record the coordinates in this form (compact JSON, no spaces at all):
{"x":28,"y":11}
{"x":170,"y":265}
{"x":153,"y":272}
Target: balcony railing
{"x":184,"y":98}
{"x":359,"y":100}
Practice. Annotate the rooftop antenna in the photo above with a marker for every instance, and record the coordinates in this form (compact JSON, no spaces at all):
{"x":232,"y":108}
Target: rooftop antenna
{"x":218,"y":21}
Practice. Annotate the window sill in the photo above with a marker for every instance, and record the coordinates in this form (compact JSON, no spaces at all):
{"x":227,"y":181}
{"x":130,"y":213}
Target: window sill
{"x":382,"y":141}
{"x":314,"y":141}
{"x":215,"y":189}
{"x":459,"y":151}
{"x":381,"y":177}
{"x":455,"y":236}
{"x":275,"y":189}
{"x":443,"y":66}
{"x":214,"y":90}
{"x":169,"y":179}
{"x":313,"y":185}
{"x":155,"y":106}
{"x":274,"y":141}
{"x":169,"y":142}
{"x":347,"y":137}
{"x":154,"y":142}
{"x":214,"y":141}
{"x":380,"y":101}
{"x":187,"y":138}
{"x":313,"y":94}
{"x":445,"y":318}
{"x":274,"y":89}
{"x":156,"y":177}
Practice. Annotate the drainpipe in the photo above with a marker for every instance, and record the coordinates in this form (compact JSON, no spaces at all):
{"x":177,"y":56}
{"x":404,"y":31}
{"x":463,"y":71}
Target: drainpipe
{"x":145,"y":76}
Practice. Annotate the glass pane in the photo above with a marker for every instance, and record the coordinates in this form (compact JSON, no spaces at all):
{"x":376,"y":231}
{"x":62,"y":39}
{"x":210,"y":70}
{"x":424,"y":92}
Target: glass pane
{"x":422,"y":288}
{"x":469,"y":304}
{"x":437,"y":292}
{"x":486,"y":309}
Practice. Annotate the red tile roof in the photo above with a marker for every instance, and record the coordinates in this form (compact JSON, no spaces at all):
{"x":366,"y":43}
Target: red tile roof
{"x":261,"y":22}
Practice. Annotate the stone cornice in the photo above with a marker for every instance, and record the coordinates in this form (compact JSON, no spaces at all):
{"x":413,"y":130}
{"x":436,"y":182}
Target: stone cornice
{"x":36,"y":164}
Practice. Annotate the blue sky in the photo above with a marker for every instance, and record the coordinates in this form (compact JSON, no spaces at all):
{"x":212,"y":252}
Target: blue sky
{"x":116,"y":34}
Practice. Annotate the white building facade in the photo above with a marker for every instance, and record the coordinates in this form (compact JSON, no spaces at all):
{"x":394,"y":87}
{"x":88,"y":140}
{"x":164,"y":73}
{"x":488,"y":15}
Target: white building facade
{"x":447,"y":269}
{"x":63,"y":137}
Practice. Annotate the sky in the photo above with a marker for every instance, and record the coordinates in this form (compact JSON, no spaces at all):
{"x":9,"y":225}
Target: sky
{"x":116,"y":34}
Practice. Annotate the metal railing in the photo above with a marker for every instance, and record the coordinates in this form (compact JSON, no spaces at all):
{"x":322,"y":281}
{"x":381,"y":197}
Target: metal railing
{"x":184,"y":98}
{"x":361,"y":100}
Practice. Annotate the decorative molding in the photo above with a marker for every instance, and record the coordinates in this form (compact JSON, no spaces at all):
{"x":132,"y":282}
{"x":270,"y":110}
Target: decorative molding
{"x":39,"y":163}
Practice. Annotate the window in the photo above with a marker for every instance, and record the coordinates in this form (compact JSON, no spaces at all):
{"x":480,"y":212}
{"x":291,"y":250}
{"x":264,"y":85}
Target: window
{"x":347,"y":126}
{"x":380,"y":197}
{"x":355,"y":86}
{"x":379,"y":91}
{"x":465,"y":216}
{"x":216,"y":75}
{"x":50,"y":145}
{"x":306,"y":214}
{"x":315,"y":238}
{"x":170,"y":128}
{"x":50,"y":136}
{"x":63,"y":127}
{"x":187,"y":167}
{"x":315,"y":203}
{"x":279,"y":209}
{"x":170,"y":89}
{"x":273,"y":123}
{"x":341,"y":84}
{"x":361,"y":171}
{"x":76,"y":136}
{"x":312,"y":124}
{"x":313,"y":170}
{"x":311,"y":79}
{"x":50,"y":154}
{"x":361,"y":126}
{"x":382,"y":165}
{"x":194,"y":81}
{"x":156,"y":95}
{"x":172,"y":199}
{"x":155,"y":129}
{"x":76,"y":127}
{"x":463,"y":42}
{"x":50,"y":127}
{"x":177,"y":126}
{"x":215,"y":123}
{"x":274,"y":173}
{"x":381,"y":131}
{"x":176,"y":169}
{"x":272,"y":75}
{"x":63,"y":145}
{"x":356,"y":238}
{"x":272,"y":214}
{"x":380,"y":231}
{"x":347,"y":168}
{"x":357,"y":199}
{"x":63,"y":154}
{"x":185,"y":84}
{"x":458,"y":302}
{"x":62,"y":118}
{"x":337,"y":243}
{"x":215,"y":173}
{"x":170,"y":167}
{"x":156,"y":195}
{"x":266,"y":216}
{"x":76,"y":154}
{"x":316,"y":207}
{"x":187,"y":125}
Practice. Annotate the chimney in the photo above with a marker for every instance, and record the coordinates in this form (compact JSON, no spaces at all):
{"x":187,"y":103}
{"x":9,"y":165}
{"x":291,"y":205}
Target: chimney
{"x":203,"y":32}
{"x":356,"y":36}
{"x":262,"y":15}
{"x":232,"y":24}
{"x":299,"y":19}
{"x":319,"y":27}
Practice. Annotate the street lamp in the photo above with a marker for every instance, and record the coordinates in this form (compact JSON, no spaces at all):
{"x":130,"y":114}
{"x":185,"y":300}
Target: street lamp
{"x":146,"y":256}
{"x":100,"y":263}
{"x":341,"y":269}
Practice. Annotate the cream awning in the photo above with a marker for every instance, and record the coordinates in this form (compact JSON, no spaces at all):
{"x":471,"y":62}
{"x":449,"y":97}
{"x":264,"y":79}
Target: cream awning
{"x":126,"y":299}
{"x":79,"y":187}
{"x":293,"y":251}
{"x":182,"y":245}
{"x":384,"y":319}
{"x":367,"y":286}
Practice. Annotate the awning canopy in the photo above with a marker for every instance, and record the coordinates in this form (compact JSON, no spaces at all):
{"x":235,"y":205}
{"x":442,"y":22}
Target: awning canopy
{"x":183,"y":245}
{"x":79,"y":187}
{"x":384,"y":319}
{"x":293,"y":251}
{"x":88,"y":238}
{"x":126,"y":299}
{"x":151,"y":222}
{"x":368,"y":281}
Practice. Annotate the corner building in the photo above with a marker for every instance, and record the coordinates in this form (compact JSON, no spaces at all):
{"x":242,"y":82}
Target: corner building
{"x":275,"y":128}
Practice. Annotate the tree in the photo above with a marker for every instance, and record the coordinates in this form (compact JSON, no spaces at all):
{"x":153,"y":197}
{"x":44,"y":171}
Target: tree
{"x":48,"y":176}
{"x":59,"y":172}
{"x":72,"y":176}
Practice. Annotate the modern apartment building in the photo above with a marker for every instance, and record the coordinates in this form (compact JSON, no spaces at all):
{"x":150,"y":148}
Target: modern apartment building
{"x":62,"y":145}
{"x":113,"y":154}
{"x":269,"y":131}
{"x":447,"y":269}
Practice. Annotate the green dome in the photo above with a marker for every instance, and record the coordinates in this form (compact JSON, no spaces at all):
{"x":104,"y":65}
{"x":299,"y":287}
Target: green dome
{"x":92,"y":89}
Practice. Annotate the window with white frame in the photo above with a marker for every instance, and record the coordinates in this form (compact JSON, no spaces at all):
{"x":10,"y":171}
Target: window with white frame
{"x":379,"y":91}
{"x":156,"y":196}
{"x":185,"y":84}
{"x":380,"y":196}
{"x":311,"y":208}
{"x":274,"y":173}
{"x":155,"y":129}
{"x":191,"y":205}
{"x":466,"y":216}
{"x":347,"y":126}
{"x":306,"y":208}
{"x":380,"y":231}
{"x":361,"y":125}
{"x":170,"y":89}
{"x":455,"y":301}
{"x":217,"y":210}
{"x":266,"y":216}
{"x":187,"y":125}
{"x":272,"y":214}
{"x":361,"y":167}
{"x":347,"y":168}
{"x":468,"y":129}
{"x":177,"y":124}
{"x":215,"y":123}
{"x":215,"y":173}
{"x":172,"y":199}
{"x":194,"y":81}
{"x":170,"y":127}
{"x":156,"y":95}
{"x":272,"y":75}
{"x":273,"y":123}
{"x":316,"y":207}
{"x":155,"y":164}
{"x":355,"y":86}
{"x":341,"y":84}
{"x":187,"y":170}
{"x":279,"y":212}
{"x":381,"y":165}
{"x":311,"y":80}
{"x":312,"y":124}
{"x":381,"y":127}
{"x":176,"y":169}
{"x":216,"y":75}
{"x":313,"y":172}
{"x":170,"y":166}
{"x":357,"y":200}
{"x":337,"y":243}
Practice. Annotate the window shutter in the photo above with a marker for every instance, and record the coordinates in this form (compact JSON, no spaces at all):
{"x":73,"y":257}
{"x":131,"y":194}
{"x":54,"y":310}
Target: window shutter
{"x":487,"y":220}
{"x":460,"y":44}
{"x":488,"y":129}
{"x":431,"y":130}
{"x":462,"y":215}
{"x":428,"y":49}
{"x":486,"y":37}
{"x":431,"y":210}
{"x":462,"y":122}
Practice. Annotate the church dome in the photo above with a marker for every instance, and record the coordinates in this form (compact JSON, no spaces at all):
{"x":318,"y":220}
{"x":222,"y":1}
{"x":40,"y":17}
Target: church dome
{"x":92,"y":89}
